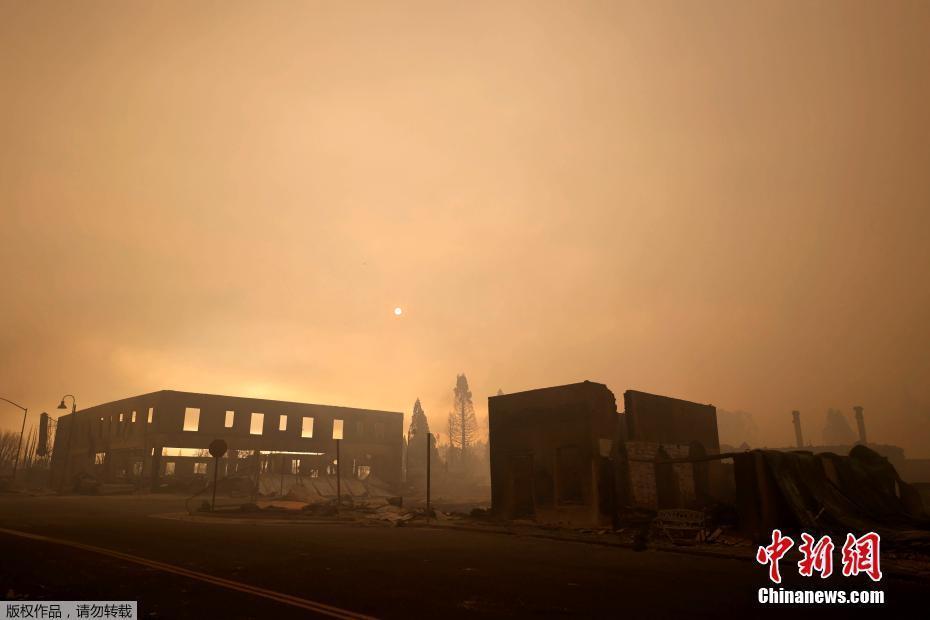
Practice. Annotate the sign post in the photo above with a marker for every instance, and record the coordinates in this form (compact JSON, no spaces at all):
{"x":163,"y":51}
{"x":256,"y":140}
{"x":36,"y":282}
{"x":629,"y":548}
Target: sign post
{"x":429,"y":445}
{"x":217,"y":448}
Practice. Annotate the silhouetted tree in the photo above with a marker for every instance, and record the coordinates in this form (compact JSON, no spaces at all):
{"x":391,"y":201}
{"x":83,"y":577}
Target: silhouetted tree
{"x":9,"y":440}
{"x":30,"y":448}
{"x":419,"y":425}
{"x":463,"y":426}
{"x":416,"y":445}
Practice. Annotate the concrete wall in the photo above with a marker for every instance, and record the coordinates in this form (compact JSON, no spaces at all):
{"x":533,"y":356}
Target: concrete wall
{"x":666,"y":420}
{"x":670,"y":421}
{"x":619,"y":459}
{"x":546,"y":451}
{"x":641,"y":468}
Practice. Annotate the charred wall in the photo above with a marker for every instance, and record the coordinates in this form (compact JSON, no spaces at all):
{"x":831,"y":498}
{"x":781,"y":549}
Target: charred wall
{"x":131,"y":434}
{"x":666,"y":420}
{"x":549,"y":453}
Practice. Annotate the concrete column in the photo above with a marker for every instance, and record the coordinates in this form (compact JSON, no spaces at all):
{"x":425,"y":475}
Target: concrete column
{"x":860,"y":422}
{"x":796,"y":420}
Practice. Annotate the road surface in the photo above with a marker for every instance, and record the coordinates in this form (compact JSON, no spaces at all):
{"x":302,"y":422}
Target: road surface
{"x":374,"y":570}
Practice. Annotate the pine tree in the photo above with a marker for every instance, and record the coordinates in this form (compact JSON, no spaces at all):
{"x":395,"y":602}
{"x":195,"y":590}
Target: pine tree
{"x":419,"y":425}
{"x":416,"y":445}
{"x":463,"y":426}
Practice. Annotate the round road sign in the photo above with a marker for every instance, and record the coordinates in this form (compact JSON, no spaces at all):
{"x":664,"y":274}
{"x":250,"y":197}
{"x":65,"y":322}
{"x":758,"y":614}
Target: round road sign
{"x":217,"y":448}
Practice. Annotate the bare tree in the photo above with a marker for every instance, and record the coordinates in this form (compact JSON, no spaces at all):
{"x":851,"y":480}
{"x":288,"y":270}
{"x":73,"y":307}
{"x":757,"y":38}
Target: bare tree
{"x":30,"y":448}
{"x":8,"y":443}
{"x":463,"y":426}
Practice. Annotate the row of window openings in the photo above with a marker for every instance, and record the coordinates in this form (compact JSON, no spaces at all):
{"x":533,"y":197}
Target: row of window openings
{"x":361,"y":471}
{"x":123,"y":418}
{"x":199,"y":468}
{"x":131,"y":417}
{"x":257,"y":423}
{"x":192,"y":422}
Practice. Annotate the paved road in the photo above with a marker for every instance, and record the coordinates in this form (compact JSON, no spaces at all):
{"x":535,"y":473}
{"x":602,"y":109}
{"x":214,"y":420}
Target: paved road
{"x":375,"y":570}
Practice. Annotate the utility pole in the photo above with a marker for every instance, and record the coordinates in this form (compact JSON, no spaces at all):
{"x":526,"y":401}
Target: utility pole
{"x":145,"y":450}
{"x":429,"y":445}
{"x":258,"y":473}
{"x":217,"y":448}
{"x":71,"y":422}
{"x":19,"y":446}
{"x":216,"y":468}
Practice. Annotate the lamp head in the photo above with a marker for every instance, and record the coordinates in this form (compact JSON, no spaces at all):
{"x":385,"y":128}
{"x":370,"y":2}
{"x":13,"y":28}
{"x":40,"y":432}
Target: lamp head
{"x":61,"y":405}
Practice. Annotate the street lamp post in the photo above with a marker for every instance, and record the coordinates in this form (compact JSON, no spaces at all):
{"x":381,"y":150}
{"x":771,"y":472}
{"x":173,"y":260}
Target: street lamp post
{"x":19,"y":447}
{"x":67,"y":468}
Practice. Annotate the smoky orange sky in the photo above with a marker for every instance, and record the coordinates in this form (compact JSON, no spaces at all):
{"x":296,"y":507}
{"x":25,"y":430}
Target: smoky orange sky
{"x":727,"y":202}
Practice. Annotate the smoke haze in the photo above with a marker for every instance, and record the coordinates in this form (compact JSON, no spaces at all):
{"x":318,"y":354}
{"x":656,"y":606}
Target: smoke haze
{"x":723,"y":202}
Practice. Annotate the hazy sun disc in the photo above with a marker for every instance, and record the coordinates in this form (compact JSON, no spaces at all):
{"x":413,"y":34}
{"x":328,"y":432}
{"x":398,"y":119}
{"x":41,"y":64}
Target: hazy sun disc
{"x":398,"y":311}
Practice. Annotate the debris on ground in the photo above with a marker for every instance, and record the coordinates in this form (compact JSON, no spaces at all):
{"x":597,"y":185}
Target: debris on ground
{"x":279,"y":504}
{"x":391,"y":514}
{"x":85,"y":484}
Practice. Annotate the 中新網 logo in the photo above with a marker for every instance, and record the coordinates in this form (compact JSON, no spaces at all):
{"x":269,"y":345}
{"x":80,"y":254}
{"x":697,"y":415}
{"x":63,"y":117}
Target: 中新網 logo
{"x":858,"y":555}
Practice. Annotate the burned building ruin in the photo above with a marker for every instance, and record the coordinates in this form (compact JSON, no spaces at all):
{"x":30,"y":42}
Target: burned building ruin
{"x":914,"y":471}
{"x":163,"y":437}
{"x":660,"y":428}
{"x":566,"y":455}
